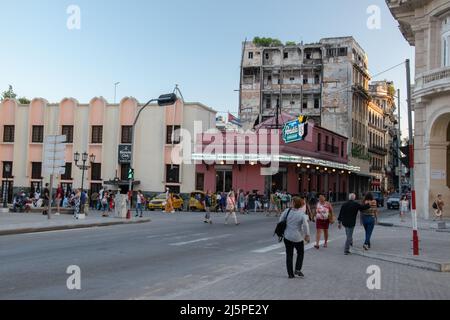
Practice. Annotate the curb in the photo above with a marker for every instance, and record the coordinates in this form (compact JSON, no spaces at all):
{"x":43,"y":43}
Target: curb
{"x":431,"y":265}
{"x":69,"y":227}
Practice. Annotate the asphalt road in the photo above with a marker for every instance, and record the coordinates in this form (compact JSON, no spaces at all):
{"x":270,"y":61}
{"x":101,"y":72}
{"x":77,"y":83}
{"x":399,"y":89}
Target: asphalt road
{"x":173,"y":257}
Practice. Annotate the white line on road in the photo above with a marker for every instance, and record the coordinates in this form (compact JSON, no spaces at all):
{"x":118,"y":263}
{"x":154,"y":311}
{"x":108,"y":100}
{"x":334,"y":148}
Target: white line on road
{"x":269,"y":248}
{"x":199,"y":240}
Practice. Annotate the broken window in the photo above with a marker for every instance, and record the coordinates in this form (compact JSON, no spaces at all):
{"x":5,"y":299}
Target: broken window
{"x":342,"y":52}
{"x":286,"y":55}
{"x":305,"y":80}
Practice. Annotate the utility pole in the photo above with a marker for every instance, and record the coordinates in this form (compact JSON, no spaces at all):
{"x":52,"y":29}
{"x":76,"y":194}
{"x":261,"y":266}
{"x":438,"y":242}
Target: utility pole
{"x":411,"y":161}
{"x":399,"y":142}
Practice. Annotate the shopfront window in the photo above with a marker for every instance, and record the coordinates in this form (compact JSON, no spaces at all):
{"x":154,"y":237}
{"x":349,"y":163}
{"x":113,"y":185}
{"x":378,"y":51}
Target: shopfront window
{"x":224,"y":180}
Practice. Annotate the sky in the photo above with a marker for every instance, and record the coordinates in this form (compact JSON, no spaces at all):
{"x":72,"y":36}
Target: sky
{"x":149,"y":46}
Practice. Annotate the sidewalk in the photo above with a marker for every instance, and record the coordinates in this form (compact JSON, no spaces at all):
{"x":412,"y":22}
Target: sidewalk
{"x":393,"y":219}
{"x":19,"y":223}
{"x":392,"y":241}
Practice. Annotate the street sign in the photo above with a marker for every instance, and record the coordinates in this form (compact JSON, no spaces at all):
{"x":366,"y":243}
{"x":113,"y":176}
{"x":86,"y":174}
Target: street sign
{"x":124,"y":153}
{"x":55,"y":139}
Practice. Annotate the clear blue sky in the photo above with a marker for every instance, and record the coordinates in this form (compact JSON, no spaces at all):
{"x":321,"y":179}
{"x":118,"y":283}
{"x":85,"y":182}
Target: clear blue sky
{"x":151,"y":45}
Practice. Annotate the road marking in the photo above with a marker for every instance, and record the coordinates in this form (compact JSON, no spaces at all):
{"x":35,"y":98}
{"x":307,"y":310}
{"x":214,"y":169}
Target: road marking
{"x":199,"y":240}
{"x":269,"y":248}
{"x":310,"y":246}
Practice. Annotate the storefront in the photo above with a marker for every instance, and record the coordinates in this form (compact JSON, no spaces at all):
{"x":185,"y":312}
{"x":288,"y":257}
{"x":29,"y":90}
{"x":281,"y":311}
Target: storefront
{"x":262,"y":161}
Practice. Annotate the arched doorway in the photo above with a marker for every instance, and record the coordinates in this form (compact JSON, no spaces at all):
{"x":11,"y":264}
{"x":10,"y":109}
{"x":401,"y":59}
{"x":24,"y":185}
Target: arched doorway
{"x":439,"y":160}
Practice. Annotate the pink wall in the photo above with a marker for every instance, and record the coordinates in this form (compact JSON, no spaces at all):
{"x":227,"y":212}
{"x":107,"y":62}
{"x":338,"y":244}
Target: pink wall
{"x":35,"y":153}
{"x":128,"y":110}
{"x":248,"y":178}
{"x":37,"y":113}
{"x":7,"y":111}
{"x":67,"y":112}
{"x":174,"y":111}
{"x":96,"y":112}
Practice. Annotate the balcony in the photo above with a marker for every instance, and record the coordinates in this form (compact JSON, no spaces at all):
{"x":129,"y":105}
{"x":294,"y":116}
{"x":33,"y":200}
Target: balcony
{"x":378,"y":150}
{"x":432,"y":83}
{"x":376,"y":169}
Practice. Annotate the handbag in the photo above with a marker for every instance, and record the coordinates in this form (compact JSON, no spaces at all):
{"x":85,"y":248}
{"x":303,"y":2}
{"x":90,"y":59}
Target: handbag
{"x":281,"y":228}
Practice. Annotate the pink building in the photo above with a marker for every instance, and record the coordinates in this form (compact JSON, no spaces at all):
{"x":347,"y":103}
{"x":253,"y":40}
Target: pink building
{"x":319,"y":163}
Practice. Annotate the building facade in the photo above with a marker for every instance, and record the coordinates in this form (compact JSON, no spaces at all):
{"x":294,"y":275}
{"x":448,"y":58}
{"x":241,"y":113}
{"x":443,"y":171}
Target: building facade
{"x":308,"y":166}
{"x":100,"y":129}
{"x":425,"y":24}
{"x":383,"y":122}
{"x":327,"y":81}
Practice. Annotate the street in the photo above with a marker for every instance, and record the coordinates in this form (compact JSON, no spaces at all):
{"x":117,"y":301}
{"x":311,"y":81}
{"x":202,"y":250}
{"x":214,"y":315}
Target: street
{"x":179,"y":257}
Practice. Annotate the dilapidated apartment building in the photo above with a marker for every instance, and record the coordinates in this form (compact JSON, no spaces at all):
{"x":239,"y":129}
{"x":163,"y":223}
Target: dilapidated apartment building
{"x":327,"y":81}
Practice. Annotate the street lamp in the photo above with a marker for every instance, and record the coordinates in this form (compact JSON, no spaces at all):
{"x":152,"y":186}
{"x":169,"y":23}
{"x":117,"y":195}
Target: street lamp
{"x":83,"y":166}
{"x":6,"y":187}
{"x":163,"y":100}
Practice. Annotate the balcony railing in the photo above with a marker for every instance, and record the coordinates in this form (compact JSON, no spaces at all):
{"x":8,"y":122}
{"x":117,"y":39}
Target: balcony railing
{"x":432,"y":82}
{"x":378,"y":150}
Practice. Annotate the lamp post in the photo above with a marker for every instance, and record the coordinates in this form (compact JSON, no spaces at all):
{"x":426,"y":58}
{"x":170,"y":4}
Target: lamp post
{"x":163,"y":100}
{"x":83,"y":166}
{"x":7,"y":168}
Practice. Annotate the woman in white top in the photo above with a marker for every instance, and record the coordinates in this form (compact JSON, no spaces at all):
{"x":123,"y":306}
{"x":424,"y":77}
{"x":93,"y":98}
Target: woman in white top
{"x":404,"y":208}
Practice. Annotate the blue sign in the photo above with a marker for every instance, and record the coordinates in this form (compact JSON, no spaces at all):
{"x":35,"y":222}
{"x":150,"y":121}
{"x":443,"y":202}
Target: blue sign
{"x":295,"y":130}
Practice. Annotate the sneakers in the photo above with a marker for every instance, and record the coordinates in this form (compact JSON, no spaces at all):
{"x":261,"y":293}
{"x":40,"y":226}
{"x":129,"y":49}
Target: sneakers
{"x":299,"y":274}
{"x":366,"y":247}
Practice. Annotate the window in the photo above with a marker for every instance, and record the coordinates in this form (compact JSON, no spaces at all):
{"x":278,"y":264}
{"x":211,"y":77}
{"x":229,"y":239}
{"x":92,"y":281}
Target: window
{"x":286,"y":55}
{"x":342,"y":52}
{"x":37,"y":135}
{"x":292,"y":78}
{"x":267,"y":56}
{"x":308,"y":56}
{"x":305,"y":79}
{"x":342,"y":149}
{"x":8,"y":134}
{"x":127,"y":134}
{"x":96,"y":171}
{"x":68,"y":132}
{"x":36,"y":170}
{"x":292,"y":102}
{"x":9,"y":164}
{"x":68,"y":174}
{"x":316,"y":103}
{"x":305,"y":103}
{"x":200,"y":181}
{"x":250,"y":55}
{"x":268,"y":104}
{"x":96,"y":187}
{"x":172,"y":173}
{"x":319,"y":141}
{"x":316,"y":79}
{"x":173,"y":135}
{"x":174,"y":189}
{"x":97,"y":134}
{"x":269,"y":78}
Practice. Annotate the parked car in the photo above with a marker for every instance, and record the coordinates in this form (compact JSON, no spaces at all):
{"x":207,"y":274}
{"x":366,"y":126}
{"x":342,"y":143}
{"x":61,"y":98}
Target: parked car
{"x":195,"y":203}
{"x":377,"y":195}
{"x":393,"y":202}
{"x":159,"y":202}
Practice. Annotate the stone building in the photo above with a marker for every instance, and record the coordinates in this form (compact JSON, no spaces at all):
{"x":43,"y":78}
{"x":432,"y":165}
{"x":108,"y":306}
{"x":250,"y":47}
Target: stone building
{"x":327,"y":81}
{"x":425,"y":24}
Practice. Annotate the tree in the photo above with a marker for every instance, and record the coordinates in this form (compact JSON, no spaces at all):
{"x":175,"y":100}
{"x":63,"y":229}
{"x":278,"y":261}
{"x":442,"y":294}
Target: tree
{"x":267,"y":42}
{"x":9,"y":94}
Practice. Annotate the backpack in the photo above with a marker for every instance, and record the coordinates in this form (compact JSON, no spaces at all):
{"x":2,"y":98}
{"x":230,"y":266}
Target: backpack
{"x":435,"y":206}
{"x":281,"y":228}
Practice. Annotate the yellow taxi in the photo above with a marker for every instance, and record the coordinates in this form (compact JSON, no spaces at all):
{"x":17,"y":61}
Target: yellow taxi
{"x":195,"y":203}
{"x":159,"y":202}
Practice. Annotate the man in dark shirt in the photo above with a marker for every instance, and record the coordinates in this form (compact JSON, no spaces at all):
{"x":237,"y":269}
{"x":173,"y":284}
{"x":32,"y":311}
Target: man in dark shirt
{"x":46,"y":199}
{"x":347,"y":218}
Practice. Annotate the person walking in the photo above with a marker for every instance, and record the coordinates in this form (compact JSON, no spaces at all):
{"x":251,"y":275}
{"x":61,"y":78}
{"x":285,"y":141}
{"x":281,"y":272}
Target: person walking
{"x":77,"y":205}
{"x":231,"y":208}
{"x":369,"y":218}
{"x":139,"y":201}
{"x":324,"y":212}
{"x":404,"y":208}
{"x":46,"y":199}
{"x":59,"y":198}
{"x":347,"y":218}
{"x":104,"y":203}
{"x":295,"y":235}
{"x":207,"y":205}
{"x":241,"y":202}
{"x":438,"y":207}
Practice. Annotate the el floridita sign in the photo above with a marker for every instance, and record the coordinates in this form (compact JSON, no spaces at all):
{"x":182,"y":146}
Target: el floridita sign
{"x":295,"y":130}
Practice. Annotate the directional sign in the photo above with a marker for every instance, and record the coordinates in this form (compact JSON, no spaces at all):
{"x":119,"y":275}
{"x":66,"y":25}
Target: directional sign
{"x":55,"y":139}
{"x":54,"y":147}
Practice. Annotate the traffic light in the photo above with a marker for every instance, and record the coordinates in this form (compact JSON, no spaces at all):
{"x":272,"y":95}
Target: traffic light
{"x":130,"y":174}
